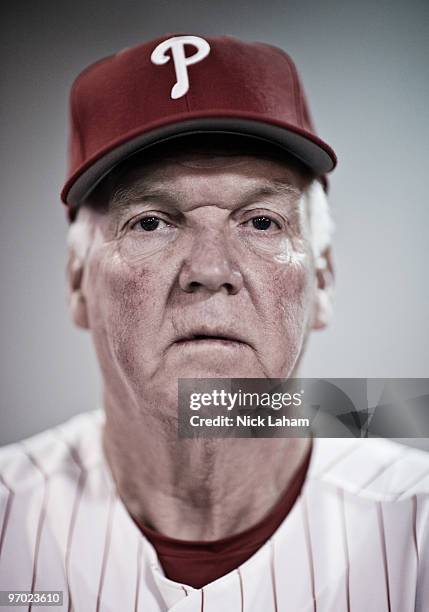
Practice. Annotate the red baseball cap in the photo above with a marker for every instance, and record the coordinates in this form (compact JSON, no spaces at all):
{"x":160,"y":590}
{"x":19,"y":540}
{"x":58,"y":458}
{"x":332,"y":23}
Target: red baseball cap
{"x":178,"y":85}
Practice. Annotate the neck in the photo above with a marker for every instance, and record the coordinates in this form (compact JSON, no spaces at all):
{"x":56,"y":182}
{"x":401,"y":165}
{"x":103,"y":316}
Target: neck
{"x":195,"y":489}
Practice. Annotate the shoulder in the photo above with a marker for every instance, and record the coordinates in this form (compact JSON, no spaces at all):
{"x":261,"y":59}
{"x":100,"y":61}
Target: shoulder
{"x":72,"y":445}
{"x":376,"y":469}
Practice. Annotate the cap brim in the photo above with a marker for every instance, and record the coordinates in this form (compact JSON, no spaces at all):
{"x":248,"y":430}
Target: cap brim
{"x":306,"y":147}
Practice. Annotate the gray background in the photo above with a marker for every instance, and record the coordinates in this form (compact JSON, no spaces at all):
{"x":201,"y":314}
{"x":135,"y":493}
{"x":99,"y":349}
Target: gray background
{"x":365,"y":68}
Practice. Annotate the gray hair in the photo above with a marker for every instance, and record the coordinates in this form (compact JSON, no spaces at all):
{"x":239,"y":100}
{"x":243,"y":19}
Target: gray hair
{"x":321,"y":224}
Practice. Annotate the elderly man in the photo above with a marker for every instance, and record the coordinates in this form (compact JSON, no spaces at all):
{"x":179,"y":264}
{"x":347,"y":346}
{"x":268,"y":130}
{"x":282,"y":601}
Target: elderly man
{"x":200,"y":247}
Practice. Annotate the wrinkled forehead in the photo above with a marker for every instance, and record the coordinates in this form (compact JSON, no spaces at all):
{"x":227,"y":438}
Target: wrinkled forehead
{"x":196,"y":156}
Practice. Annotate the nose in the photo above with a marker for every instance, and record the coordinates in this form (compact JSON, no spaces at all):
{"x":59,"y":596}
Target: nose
{"x":209,"y":267}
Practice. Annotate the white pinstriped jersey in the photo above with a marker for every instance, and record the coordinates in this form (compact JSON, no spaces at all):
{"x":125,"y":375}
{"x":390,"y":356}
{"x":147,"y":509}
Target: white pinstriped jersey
{"x":357,"y":539}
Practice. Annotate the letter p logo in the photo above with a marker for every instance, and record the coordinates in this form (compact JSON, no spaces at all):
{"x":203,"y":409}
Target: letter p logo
{"x":181,"y":62}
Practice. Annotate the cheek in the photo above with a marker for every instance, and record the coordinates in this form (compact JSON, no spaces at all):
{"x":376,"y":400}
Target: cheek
{"x":294,"y":305}
{"x":125,"y":303}
{"x":296,"y":287}
{"x":291,"y":294}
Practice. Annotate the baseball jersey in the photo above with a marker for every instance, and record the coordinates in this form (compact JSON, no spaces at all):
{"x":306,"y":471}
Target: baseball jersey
{"x":356,"y":539}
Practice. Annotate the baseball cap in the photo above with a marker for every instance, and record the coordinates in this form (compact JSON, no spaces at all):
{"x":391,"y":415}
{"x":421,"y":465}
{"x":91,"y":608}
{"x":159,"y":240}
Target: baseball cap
{"x":178,"y":85}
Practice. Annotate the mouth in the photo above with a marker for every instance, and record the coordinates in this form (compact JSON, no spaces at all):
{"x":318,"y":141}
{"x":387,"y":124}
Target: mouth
{"x":210,"y":339}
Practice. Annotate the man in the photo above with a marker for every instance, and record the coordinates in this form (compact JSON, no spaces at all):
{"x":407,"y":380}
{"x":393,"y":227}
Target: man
{"x":200,"y":248}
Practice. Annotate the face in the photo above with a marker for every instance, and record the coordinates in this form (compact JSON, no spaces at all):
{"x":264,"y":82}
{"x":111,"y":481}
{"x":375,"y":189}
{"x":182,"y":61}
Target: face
{"x":200,"y":267}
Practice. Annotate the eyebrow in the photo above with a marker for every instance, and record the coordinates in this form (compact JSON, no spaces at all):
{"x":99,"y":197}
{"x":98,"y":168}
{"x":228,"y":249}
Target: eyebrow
{"x":276,"y":187}
{"x":126,"y":197}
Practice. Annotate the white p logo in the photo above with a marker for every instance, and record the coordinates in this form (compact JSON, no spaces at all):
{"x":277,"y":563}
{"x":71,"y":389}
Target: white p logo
{"x":181,"y":62}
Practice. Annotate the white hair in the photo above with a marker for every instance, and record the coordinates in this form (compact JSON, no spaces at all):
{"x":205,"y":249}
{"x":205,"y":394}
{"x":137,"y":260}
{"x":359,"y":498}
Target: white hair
{"x":321,"y":224}
{"x":81,"y":231}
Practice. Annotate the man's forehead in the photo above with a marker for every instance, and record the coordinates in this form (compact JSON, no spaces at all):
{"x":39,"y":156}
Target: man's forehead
{"x":243,"y":176}
{"x":190,"y":164}
{"x":172,"y":166}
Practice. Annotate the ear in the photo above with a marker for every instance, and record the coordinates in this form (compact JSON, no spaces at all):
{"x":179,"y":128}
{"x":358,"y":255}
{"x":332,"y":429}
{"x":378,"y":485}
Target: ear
{"x":324,"y":290}
{"x":76,"y":297}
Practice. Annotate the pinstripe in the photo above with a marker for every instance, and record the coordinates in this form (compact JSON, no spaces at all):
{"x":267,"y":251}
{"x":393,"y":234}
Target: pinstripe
{"x":139,"y":569}
{"x":240,"y":579}
{"x":273,"y":575}
{"x":76,"y":503}
{"x":309,"y":551}
{"x":186,"y":592}
{"x":106,"y":548}
{"x":346,"y":545}
{"x":202,"y":600}
{"x":416,"y":545}
{"x":380,"y":521}
{"x":40,"y":522}
{"x":73,"y":454}
{"x":7,"y":511}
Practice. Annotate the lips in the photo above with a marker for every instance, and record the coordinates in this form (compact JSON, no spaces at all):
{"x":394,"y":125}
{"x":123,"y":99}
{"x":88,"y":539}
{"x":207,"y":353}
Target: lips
{"x":201,"y":338}
{"x":215,"y":335}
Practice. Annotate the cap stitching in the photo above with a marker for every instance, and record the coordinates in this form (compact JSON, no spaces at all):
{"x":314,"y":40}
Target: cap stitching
{"x":295,"y":90}
{"x":76,"y":119}
{"x":300,"y":100}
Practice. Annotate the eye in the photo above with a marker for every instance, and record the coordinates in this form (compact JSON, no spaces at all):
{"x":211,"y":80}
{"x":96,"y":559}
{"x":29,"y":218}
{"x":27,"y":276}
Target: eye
{"x":149,"y":224}
{"x":262,"y":223}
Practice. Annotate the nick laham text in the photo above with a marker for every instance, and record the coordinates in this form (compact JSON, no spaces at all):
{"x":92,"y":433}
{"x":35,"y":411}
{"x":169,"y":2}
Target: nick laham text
{"x":247,"y":421}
